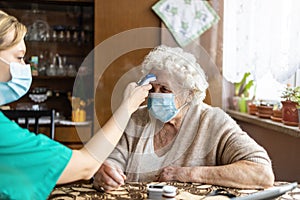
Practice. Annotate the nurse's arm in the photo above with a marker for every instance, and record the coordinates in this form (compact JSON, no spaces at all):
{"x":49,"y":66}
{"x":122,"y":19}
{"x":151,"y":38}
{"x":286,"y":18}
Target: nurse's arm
{"x":85,"y":162}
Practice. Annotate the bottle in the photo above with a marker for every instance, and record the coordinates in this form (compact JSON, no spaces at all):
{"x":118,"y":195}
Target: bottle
{"x":71,"y":71}
{"x":42,"y":67}
{"x":61,"y":71}
{"x":169,"y":192}
{"x":34,"y":65}
{"x":51,"y":71}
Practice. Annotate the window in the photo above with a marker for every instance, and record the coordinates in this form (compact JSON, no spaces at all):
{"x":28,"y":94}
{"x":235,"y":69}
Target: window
{"x":262,"y":37}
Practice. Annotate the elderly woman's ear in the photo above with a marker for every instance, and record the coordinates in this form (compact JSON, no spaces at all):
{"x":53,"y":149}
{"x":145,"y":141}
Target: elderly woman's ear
{"x":190,"y":97}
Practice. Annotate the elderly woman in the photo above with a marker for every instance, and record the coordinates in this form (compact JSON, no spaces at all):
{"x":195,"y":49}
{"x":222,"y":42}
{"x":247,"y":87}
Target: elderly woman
{"x":182,"y":138}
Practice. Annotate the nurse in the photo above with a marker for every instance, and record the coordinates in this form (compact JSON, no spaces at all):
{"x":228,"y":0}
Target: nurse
{"x":31,"y":165}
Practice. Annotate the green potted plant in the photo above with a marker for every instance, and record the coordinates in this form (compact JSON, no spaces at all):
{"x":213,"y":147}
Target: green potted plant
{"x":241,"y":92}
{"x":290,"y":103}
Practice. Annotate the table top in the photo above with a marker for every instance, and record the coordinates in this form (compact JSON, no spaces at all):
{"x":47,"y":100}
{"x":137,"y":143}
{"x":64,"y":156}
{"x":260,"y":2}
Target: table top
{"x":138,"y":190}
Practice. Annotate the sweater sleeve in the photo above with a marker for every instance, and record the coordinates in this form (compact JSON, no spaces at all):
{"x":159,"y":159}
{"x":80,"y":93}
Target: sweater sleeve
{"x":235,"y":144}
{"x":127,"y":144}
{"x":119,"y":156}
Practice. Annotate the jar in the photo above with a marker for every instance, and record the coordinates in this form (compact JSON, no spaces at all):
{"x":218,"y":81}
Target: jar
{"x":71,"y":71}
{"x":78,"y":115}
{"x":61,"y":71}
{"x":51,"y":71}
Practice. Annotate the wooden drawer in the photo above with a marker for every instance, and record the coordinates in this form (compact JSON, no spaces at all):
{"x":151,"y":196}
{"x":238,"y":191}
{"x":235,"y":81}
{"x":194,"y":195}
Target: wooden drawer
{"x":69,"y":135}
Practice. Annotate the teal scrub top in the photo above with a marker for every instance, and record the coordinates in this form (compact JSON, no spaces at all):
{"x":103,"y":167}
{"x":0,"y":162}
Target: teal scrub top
{"x":30,"y":164}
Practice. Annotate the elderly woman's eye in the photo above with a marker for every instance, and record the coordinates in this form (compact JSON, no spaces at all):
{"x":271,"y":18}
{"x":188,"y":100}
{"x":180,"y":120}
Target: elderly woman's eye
{"x":165,"y":90}
{"x":151,"y":90}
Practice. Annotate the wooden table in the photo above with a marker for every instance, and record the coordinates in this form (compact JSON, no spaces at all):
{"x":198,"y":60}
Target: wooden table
{"x":84,"y":190}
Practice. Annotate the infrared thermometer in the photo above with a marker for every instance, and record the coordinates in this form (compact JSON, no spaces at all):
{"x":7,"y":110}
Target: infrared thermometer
{"x":147,"y":79}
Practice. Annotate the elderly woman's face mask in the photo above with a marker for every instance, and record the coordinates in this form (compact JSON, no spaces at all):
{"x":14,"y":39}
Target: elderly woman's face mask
{"x":161,"y":101}
{"x":162,"y":106}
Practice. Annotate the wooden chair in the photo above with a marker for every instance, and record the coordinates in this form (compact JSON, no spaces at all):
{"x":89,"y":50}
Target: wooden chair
{"x":28,"y":115}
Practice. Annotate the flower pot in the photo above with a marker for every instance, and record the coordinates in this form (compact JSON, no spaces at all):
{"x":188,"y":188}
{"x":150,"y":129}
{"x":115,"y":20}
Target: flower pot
{"x":252,"y":108}
{"x":298,"y":117}
{"x":264,"y":111}
{"x":290,"y":113}
{"x":277,"y":115}
{"x":234,"y":103}
{"x":243,"y":104}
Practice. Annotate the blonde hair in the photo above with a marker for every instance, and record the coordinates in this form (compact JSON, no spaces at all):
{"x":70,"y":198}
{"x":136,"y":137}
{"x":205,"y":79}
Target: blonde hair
{"x":7,"y":24}
{"x":181,"y":64}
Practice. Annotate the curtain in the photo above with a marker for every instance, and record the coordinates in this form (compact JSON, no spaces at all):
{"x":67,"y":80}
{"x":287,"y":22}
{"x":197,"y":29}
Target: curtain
{"x":261,"y":37}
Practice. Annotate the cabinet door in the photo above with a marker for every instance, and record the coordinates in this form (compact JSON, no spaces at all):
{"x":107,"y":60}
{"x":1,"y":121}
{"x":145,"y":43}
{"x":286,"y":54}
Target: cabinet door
{"x":112,"y":19}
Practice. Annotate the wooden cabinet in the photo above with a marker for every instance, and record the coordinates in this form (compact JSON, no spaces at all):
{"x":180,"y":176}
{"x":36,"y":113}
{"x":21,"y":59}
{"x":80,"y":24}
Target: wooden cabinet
{"x":60,"y":34}
{"x":72,"y":136}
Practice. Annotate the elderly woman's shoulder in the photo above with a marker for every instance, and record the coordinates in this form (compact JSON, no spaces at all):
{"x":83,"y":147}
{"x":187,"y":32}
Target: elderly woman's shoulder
{"x":211,"y":110}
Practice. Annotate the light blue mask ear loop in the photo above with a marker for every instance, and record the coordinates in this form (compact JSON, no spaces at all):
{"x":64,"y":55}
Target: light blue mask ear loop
{"x":4,"y":61}
{"x":178,"y":110}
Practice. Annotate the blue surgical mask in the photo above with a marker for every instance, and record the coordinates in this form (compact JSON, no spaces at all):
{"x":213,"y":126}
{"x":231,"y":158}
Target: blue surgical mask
{"x":162,"y":106}
{"x":19,"y":84}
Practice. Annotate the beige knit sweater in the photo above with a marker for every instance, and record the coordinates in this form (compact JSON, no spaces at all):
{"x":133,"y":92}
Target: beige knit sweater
{"x":207,"y":137}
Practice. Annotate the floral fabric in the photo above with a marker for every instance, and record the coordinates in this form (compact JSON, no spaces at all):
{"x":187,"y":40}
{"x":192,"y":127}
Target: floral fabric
{"x":186,"y":19}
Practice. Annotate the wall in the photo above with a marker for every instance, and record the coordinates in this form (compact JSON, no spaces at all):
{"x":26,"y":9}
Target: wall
{"x":112,"y":18}
{"x":283,"y":149}
{"x":210,"y":43}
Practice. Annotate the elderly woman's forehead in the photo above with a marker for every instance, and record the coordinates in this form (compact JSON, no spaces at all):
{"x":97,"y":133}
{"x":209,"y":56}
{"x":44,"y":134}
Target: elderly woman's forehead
{"x":162,"y":80}
{"x":164,"y":74}
{"x":165,"y":78}
{"x":161,"y":75}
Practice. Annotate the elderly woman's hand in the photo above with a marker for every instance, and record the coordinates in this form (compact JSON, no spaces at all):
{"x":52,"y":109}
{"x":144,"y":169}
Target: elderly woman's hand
{"x":174,"y":174}
{"x":135,"y":95}
{"x":109,"y":177}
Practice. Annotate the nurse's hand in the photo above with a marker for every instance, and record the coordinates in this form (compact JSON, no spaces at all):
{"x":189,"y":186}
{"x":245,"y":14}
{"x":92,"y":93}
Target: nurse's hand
{"x":109,"y":177}
{"x":134,"y":95}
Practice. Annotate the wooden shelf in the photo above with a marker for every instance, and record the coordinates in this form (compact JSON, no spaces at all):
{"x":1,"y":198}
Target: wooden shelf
{"x":67,"y":49}
{"x":53,"y":78}
{"x":64,"y":2}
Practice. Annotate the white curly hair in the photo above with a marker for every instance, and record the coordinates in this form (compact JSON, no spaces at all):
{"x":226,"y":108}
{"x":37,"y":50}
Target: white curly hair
{"x":182,"y":65}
